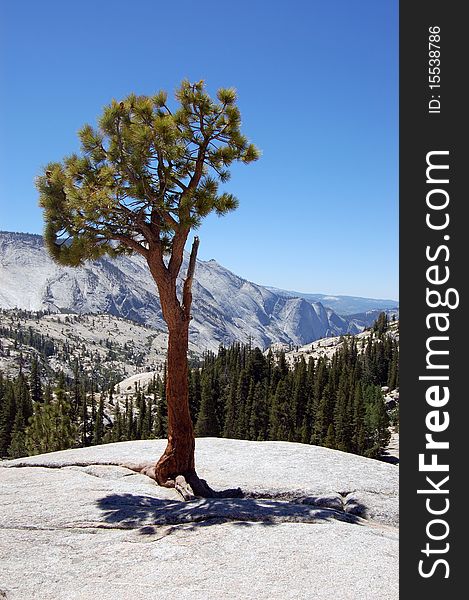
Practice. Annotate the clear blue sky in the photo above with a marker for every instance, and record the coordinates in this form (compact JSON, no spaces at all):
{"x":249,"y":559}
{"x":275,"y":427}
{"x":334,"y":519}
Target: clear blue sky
{"x":318,"y":91}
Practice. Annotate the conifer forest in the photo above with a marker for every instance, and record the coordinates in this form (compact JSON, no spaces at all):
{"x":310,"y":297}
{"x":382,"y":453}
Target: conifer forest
{"x":240,"y":392}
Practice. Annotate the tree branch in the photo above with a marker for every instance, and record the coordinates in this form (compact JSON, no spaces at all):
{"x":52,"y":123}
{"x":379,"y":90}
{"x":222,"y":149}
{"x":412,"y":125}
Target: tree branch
{"x":131,"y":243}
{"x":177,"y":251}
{"x":187,"y":289}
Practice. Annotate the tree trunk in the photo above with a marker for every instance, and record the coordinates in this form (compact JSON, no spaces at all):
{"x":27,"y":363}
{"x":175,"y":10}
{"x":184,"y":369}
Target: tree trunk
{"x":176,"y":468}
{"x":178,"y":458}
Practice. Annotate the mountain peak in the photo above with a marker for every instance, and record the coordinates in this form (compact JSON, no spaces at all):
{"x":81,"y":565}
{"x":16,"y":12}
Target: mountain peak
{"x":226,"y":307}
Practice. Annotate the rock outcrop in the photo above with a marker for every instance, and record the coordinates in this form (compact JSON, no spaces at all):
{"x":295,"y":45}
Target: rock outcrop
{"x":314,"y":523}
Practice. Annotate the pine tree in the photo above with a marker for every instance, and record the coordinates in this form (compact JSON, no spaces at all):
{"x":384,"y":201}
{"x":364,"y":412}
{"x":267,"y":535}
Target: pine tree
{"x":76,"y":400}
{"x":161,"y":417}
{"x":377,"y":421}
{"x":343,"y":414}
{"x":194,"y":394}
{"x":324,"y":416}
{"x":23,"y":412}
{"x":259,"y":420}
{"x":40,"y":433}
{"x":230,"y":426}
{"x":381,"y":324}
{"x":330,"y":440}
{"x":207,"y":422}
{"x":145,"y":177}
{"x":241,"y":400}
{"x":393,"y":376}
{"x":256,"y":365}
{"x":310,"y":406}
{"x":147,"y":424}
{"x":281,"y":422}
{"x":93,"y":409}
{"x":51,"y":427}
{"x":117,"y":424}
{"x":98,"y":431}
{"x":17,"y":447}
{"x":359,"y":429}
{"x":23,"y":397}
{"x":248,"y":410}
{"x":48,"y":397}
{"x":66,"y":431}
{"x":141,"y":414}
{"x":84,"y":418}
{"x":300,"y":398}
{"x":7,"y":417}
{"x":35,"y":381}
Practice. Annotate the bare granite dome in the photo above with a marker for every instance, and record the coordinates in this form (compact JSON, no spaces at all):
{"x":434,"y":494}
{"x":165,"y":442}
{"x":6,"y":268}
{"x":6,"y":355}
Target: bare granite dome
{"x":314,"y":523}
{"x":226,"y":307}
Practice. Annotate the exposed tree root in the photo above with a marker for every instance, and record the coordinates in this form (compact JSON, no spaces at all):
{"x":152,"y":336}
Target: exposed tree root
{"x":189,"y":484}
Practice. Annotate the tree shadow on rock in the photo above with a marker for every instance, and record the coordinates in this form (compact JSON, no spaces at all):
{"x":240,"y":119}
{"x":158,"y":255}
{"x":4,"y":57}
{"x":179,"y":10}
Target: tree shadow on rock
{"x":130,"y":511}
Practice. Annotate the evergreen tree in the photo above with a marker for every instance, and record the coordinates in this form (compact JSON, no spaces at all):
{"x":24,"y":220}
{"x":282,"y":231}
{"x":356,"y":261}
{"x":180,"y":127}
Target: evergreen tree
{"x":66,"y":431}
{"x":7,"y":416}
{"x":94,"y":410}
{"x":23,"y":397}
{"x":145,"y":177}
{"x":51,"y":427}
{"x":281,"y":417}
{"x":117,"y":424}
{"x":343,"y":414}
{"x":207,"y":422}
{"x":40,"y":433}
{"x":195,"y":392}
{"x":248,"y":410}
{"x":161,"y":417}
{"x":17,"y":447}
{"x":310,"y":407}
{"x":377,"y":421}
{"x":381,"y":324}
{"x":76,"y":400}
{"x":241,"y":401}
{"x":230,"y":426}
{"x":359,"y":429}
{"x":300,"y":398}
{"x":256,"y":365}
{"x":48,"y":397}
{"x":35,"y":381}
{"x":393,"y":376}
{"x":141,"y":415}
{"x":259,"y":420}
{"x":84,"y":418}
{"x":147,"y":424}
{"x":330,"y":439}
{"x":98,"y":431}
{"x":324,"y":416}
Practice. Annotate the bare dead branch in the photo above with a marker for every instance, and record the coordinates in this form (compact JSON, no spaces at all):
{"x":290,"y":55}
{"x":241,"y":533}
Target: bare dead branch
{"x":187,"y":289}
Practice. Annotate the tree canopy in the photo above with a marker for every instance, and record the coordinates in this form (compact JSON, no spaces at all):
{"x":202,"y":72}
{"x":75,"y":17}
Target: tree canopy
{"x":146,"y":175}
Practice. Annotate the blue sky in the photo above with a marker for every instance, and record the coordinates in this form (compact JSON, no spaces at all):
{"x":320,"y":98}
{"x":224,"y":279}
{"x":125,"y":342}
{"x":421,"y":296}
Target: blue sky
{"x":318,"y":92}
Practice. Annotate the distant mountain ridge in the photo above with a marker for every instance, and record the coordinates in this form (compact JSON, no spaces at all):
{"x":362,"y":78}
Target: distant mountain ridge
{"x":343,"y":305}
{"x":226,"y":307}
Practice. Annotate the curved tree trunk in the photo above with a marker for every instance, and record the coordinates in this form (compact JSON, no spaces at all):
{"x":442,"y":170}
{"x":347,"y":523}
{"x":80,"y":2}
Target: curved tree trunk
{"x":176,"y":468}
{"x":178,"y":458}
